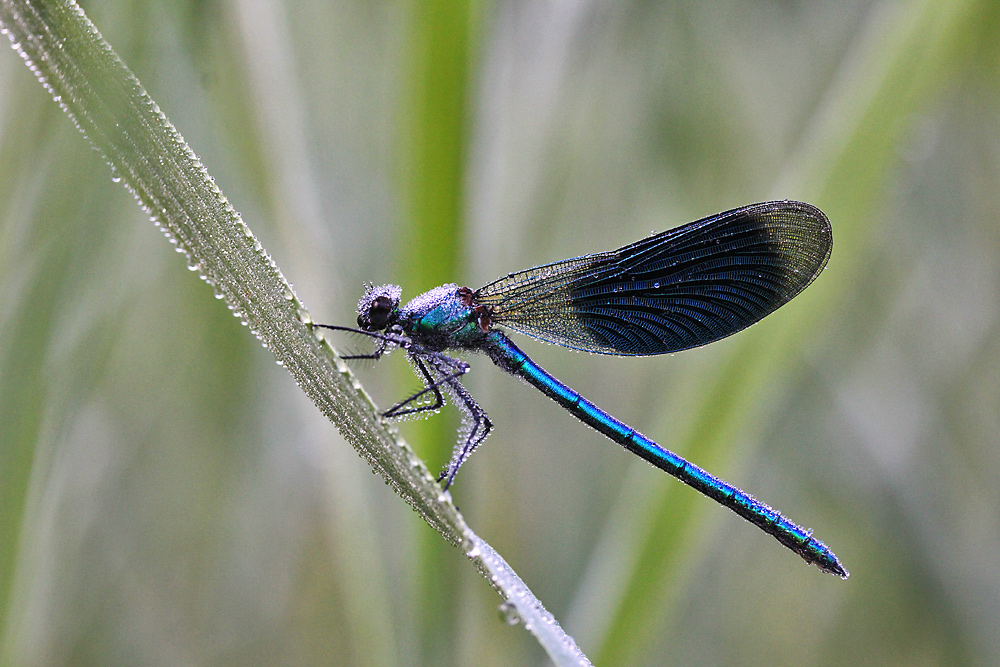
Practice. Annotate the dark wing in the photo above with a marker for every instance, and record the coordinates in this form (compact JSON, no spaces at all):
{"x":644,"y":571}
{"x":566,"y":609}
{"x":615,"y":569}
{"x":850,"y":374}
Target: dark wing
{"x":679,"y":289}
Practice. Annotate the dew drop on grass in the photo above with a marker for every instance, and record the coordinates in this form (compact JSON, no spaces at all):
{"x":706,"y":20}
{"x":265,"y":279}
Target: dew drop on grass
{"x":508,"y":613}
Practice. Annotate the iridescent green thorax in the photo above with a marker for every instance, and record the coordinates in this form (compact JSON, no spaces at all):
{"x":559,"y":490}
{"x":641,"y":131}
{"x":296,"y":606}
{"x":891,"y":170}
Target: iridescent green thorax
{"x":443,"y":318}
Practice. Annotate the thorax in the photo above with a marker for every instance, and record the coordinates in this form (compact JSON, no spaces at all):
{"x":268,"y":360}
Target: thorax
{"x":443,"y":318}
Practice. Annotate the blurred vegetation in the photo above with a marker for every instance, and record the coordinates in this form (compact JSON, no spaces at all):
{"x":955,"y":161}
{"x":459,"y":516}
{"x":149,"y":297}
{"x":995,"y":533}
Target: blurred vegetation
{"x":167,"y":495}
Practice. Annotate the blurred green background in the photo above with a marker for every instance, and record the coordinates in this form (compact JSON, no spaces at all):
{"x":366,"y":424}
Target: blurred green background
{"x":168,"y":496}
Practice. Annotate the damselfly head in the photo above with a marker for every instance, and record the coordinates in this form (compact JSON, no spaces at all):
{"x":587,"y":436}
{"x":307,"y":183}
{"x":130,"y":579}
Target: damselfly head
{"x":376,"y":307}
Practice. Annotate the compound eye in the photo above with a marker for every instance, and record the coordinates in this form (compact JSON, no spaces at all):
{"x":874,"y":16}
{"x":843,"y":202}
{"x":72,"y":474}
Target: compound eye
{"x":377,"y":317}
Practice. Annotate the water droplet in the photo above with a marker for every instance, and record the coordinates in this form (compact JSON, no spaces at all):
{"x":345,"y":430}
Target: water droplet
{"x":508,"y":613}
